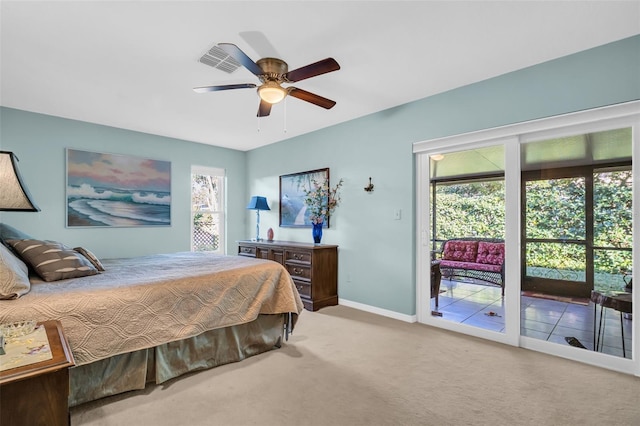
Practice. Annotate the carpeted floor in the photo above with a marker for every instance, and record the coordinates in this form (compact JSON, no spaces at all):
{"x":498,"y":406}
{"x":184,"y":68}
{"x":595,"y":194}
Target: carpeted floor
{"x":347,"y":367}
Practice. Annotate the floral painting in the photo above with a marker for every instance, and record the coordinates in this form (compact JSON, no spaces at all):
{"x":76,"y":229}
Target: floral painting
{"x":111,"y":190}
{"x":293,"y":187}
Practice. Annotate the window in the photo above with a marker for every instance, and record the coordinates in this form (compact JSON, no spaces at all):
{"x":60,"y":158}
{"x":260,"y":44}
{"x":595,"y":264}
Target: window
{"x":207,"y":209}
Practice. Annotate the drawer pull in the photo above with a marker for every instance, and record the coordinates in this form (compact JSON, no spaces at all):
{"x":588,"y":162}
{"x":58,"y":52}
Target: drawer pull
{"x":298,"y":271}
{"x":297,"y":256}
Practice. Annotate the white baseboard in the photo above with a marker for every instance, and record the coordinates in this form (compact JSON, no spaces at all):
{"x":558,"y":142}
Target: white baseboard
{"x":378,"y":311}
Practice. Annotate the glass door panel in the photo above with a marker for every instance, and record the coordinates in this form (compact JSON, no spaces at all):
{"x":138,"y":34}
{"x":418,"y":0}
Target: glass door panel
{"x":467,"y":201}
{"x":577,"y":241}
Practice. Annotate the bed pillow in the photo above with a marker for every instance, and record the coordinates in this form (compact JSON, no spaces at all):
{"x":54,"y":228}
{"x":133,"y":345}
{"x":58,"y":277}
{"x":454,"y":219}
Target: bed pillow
{"x":90,"y":257}
{"x":14,"y":275}
{"x":8,"y":232}
{"x":52,"y":260}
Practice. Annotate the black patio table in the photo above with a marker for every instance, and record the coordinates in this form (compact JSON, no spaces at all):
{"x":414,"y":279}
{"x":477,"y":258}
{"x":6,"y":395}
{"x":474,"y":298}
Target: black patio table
{"x":621,"y":301}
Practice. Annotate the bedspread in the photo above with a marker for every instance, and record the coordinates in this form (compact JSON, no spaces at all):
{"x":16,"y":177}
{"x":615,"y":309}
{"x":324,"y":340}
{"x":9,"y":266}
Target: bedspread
{"x":146,"y":301}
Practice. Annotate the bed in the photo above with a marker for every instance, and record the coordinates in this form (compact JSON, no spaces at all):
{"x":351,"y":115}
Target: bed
{"x":153,"y":318}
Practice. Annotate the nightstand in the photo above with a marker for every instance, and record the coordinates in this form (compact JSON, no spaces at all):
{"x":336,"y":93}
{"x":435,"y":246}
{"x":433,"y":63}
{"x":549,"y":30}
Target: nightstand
{"x":38,"y":394}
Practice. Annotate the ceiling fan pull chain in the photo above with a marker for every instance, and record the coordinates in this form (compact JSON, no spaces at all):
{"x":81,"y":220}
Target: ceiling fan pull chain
{"x":258,"y":118}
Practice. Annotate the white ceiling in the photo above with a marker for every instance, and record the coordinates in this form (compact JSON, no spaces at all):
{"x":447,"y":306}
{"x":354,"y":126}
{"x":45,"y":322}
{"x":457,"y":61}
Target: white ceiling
{"x":133,"y":64}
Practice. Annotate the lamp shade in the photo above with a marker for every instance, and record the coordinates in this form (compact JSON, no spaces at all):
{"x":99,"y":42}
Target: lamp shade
{"x":258,"y":203}
{"x":14,"y":195}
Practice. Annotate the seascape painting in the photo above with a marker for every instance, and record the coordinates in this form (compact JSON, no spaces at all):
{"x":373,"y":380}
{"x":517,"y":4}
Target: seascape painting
{"x":110,"y":190}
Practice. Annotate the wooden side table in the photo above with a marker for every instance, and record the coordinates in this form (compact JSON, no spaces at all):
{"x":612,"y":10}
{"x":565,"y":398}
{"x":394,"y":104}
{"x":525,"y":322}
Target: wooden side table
{"x":38,"y":394}
{"x":620,"y":301}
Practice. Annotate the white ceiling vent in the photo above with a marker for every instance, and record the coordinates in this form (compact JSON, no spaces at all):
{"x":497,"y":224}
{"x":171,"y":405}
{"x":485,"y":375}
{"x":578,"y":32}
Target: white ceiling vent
{"x":220,"y":59}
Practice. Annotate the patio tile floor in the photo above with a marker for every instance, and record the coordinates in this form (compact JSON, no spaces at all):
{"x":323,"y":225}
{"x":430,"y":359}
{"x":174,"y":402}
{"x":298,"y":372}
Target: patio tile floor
{"x":544,"y":319}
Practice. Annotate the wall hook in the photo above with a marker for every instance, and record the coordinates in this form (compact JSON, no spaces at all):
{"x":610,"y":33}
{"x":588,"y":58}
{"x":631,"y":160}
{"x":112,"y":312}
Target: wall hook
{"x":369,"y":188}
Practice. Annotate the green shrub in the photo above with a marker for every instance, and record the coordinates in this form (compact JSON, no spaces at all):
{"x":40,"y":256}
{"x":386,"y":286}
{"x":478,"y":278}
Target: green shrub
{"x":554,"y":210}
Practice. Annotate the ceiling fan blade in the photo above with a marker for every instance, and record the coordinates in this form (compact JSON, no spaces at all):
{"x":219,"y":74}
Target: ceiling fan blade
{"x":311,"y":97}
{"x":264,"y":109}
{"x":206,"y":89}
{"x":321,"y":67}
{"x":237,"y":54}
{"x":259,"y":42}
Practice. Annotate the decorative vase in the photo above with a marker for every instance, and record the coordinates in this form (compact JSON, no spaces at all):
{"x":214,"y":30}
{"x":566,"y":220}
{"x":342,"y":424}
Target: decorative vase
{"x":270,"y":234}
{"x":316,"y":231}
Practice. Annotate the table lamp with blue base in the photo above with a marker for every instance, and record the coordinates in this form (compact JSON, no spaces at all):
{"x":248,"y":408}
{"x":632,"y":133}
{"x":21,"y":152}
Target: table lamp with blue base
{"x":258,"y":203}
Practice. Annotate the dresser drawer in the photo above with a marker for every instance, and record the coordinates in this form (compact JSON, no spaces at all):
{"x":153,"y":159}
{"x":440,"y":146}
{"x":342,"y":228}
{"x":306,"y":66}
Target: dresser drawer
{"x":299,"y":272}
{"x":300,"y":256}
{"x":247,"y":251}
{"x":303,"y":288}
{"x":262,"y":254}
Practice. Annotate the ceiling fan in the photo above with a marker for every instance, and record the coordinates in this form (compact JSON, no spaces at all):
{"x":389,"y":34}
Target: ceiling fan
{"x":273,"y":72}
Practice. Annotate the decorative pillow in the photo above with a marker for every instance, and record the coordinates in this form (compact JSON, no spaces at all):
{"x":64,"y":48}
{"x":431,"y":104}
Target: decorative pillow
{"x":90,"y":257}
{"x":460,"y":250}
{"x":490,"y":253}
{"x":14,"y":275}
{"x":51,"y":260}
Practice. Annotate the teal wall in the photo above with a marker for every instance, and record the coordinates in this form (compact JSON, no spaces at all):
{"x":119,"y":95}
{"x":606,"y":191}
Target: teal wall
{"x":376,"y":263}
{"x":39,"y":141}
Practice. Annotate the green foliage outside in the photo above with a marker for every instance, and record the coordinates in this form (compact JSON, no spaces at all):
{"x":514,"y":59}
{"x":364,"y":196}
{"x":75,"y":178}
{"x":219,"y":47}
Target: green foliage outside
{"x":554,"y":210}
{"x":204,"y":237}
{"x":470,"y":210}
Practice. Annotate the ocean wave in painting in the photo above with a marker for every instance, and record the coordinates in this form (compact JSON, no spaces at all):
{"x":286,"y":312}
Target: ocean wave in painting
{"x":93,"y":206}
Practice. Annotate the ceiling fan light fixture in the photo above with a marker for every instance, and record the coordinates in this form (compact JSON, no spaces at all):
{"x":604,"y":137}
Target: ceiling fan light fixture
{"x":271,"y":92}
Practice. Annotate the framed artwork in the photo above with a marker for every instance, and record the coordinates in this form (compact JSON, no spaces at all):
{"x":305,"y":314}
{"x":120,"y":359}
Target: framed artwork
{"x":111,"y":190}
{"x":293,"y":211}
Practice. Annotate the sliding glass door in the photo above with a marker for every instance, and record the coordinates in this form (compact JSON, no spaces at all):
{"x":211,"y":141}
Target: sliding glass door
{"x":560,"y":192}
{"x":577,"y":241}
{"x":467,"y":211}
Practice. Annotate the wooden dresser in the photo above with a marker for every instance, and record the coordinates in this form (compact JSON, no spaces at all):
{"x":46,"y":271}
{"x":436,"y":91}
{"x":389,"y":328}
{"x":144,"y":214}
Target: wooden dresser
{"x":313,"y":267}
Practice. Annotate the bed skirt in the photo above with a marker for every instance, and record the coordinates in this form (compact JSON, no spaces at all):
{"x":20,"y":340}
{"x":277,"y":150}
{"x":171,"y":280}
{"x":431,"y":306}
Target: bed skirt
{"x":133,"y":370}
